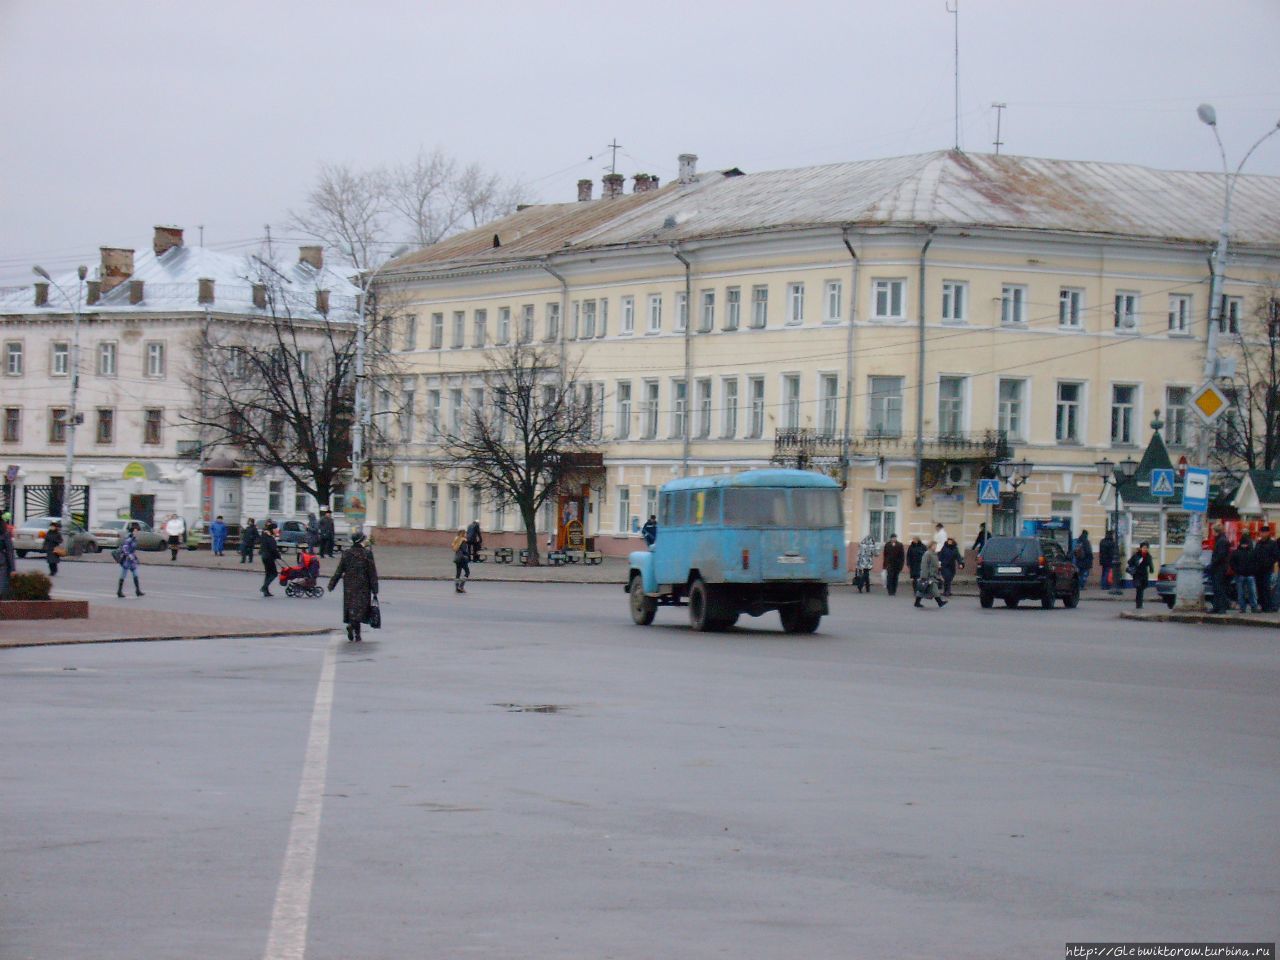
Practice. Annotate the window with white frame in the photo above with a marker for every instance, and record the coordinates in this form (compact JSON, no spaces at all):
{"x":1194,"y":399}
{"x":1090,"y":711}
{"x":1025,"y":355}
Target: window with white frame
{"x":455,"y":411}
{"x":455,"y":506}
{"x":828,"y":403}
{"x":1125,"y":316}
{"x":729,"y":408}
{"x":732,"y":307}
{"x":834,"y":298}
{"x":553,"y":321}
{"x":628,"y":315}
{"x":504,"y":325}
{"x":433,"y":506}
{"x":1177,"y":405}
{"x":703,"y":425}
{"x":437,"y":331}
{"x":588,"y":319}
{"x":59,"y":358}
{"x":624,"y":510}
{"x":885,"y":407}
{"x":275,"y":496}
{"x":889,"y":299}
{"x":1070,"y":308}
{"x":955,"y":301}
{"x":107,"y":353}
{"x":759,"y":306}
{"x":410,"y":331}
{"x":602,"y":324}
{"x":655,"y":313}
{"x":1124,"y":398}
{"x":527,"y":322}
{"x":1068,"y":412}
{"x":499,"y":517}
{"x":477,"y":408}
{"x":433,"y":414}
{"x":951,"y":391}
{"x":406,"y":505}
{"x":682,"y":311}
{"x":650,"y":501}
{"x":408,"y":397}
{"x":707,"y":316}
{"x":882,"y":514}
{"x":155,"y":358}
{"x":58,"y":425}
{"x":679,"y":408}
{"x":459,"y":329}
{"x":481,"y":334}
{"x":622,"y":422}
{"x":1232,"y":309}
{"x":1013,"y":303}
{"x":1011,"y":412}
{"x":791,"y":401}
{"x":13,"y":358}
{"x":1179,"y":313}
{"x":755,"y":405}
{"x":795,"y":303}
{"x":650,"y":409}
{"x":301,"y":501}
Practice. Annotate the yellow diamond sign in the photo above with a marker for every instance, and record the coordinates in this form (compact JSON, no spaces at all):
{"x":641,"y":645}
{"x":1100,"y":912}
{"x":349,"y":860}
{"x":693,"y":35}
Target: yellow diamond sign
{"x":1209,"y":402}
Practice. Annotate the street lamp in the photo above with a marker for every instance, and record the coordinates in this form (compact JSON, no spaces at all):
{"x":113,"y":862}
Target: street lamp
{"x":1190,"y":587}
{"x":72,"y":417}
{"x":1015,"y":473}
{"x":1116,"y":475}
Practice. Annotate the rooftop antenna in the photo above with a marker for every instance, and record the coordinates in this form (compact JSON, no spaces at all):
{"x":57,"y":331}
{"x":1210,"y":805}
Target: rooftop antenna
{"x":999,"y":108}
{"x":201,"y":234}
{"x":614,"y":147}
{"x":955,"y":12}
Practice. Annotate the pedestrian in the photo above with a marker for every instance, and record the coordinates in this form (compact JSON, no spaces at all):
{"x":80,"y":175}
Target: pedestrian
{"x":1246,"y":586}
{"x":939,"y":536}
{"x":127,"y":556}
{"x":1140,"y":570}
{"x":650,"y":531}
{"x":313,"y":533}
{"x":326,"y":533}
{"x":7,"y":519}
{"x":176,"y":528}
{"x":948,"y":560}
{"x":248,"y":540}
{"x":461,"y":564}
{"x":359,"y":576}
{"x":867,"y":550}
{"x":981,"y":539}
{"x":1218,"y":566}
{"x":269,"y":551}
{"x":1266,"y":552}
{"x":218,"y":535}
{"x":895,"y":556}
{"x":8,"y":558}
{"x":915,"y":555}
{"x":930,"y":581}
{"x":1107,"y":561}
{"x":53,"y":548}
{"x":474,"y":540}
{"x":1083,"y":556}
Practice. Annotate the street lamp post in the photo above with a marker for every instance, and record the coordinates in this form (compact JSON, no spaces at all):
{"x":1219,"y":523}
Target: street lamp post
{"x":72,"y":416}
{"x":1115,"y":475}
{"x":1015,"y":473}
{"x":1190,"y":590}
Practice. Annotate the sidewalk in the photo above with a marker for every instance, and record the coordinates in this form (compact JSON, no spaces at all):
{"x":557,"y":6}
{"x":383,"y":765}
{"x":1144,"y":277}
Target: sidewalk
{"x":108,"y":624}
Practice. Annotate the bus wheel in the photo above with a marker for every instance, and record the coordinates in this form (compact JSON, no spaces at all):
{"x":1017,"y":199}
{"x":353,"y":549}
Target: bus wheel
{"x":796,"y":620}
{"x":701,"y":607}
{"x":642,"y":608}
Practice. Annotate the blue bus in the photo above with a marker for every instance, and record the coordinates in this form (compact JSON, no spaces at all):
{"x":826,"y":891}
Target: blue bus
{"x":743,"y":543}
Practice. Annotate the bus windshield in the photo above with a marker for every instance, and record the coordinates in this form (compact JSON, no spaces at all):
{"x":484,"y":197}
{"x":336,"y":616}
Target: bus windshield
{"x":809,"y":508}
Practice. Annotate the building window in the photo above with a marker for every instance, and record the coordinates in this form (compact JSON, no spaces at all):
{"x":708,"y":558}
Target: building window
{"x":301,"y":501}
{"x":795,"y":303}
{"x":622,"y":424}
{"x":575,"y":325}
{"x":455,"y":411}
{"x":890,"y":297}
{"x":1070,"y":308}
{"x":275,"y":496}
{"x":59,"y":358}
{"x":624,"y":510}
{"x":480,"y":335}
{"x":155,"y":358}
{"x":1011,"y":414}
{"x":106,"y":432}
{"x":955,"y":301}
{"x":459,"y":329}
{"x":1126,"y":311}
{"x":1013,"y":303}
{"x":455,"y":506}
{"x":829,"y":403}
{"x":588,"y":319}
{"x":12,"y":424}
{"x":679,"y":408}
{"x":650,"y":501}
{"x":759,"y":307}
{"x":707,"y":318}
{"x":1068,"y":412}
{"x":682,"y":312}
{"x":732,"y":307}
{"x":1179,"y":313}
{"x":433,"y":414}
{"x":650,"y":409}
{"x":433,"y":506}
{"x":58,"y":425}
{"x":755,"y":401}
{"x":107,"y":359}
{"x":951,"y":406}
{"x":704,"y":407}
{"x":835,"y":301}
{"x":437,"y":331}
{"x":655,"y":312}
{"x":1123,"y":400}
{"x":602,"y":328}
{"x":411,"y":331}
{"x":504,"y":325}
{"x":526,"y":323}
{"x":628,"y":315}
{"x":153,"y":420}
{"x":553,"y":321}
{"x":791,"y":401}
{"x":1176,"y":407}
{"x":882,"y":514}
{"x":1229,"y":321}
{"x":13,"y":359}
{"x":407,"y":402}
{"x":729,"y":408}
{"x":885,"y":410}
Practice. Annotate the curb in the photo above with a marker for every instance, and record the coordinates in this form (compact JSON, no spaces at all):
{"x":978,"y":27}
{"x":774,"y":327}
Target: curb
{"x":15,"y":644}
{"x":1216,"y":619}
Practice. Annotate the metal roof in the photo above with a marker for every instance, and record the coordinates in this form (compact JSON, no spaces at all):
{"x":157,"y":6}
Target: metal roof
{"x":945,"y":188}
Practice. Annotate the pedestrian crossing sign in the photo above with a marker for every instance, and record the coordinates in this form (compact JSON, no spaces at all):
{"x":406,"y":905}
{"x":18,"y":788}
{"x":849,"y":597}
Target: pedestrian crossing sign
{"x":989,"y":491}
{"x":1162,"y":483}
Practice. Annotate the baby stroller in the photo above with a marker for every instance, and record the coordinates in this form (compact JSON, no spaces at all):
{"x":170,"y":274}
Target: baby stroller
{"x":300,"y":580}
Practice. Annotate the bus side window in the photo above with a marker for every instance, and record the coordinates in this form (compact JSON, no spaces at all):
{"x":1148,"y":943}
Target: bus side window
{"x":664,"y":510}
{"x":679,"y":508}
{"x":699,"y":507}
{"x":710,"y":513}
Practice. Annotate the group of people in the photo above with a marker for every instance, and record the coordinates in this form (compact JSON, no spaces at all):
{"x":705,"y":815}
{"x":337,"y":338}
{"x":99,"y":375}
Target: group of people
{"x":1250,"y":573}
{"x":932,"y":568}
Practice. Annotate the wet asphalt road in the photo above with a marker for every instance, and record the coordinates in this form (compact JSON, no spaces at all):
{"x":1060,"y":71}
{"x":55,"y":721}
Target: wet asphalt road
{"x":903,"y":784}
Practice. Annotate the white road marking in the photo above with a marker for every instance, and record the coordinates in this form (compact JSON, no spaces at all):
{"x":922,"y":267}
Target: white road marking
{"x":287,"y":939}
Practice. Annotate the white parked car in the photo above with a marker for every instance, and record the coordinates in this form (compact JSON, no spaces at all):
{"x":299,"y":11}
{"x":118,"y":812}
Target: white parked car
{"x":29,"y":537}
{"x":111,"y":533}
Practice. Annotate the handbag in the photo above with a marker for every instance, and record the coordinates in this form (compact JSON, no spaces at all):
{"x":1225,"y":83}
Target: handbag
{"x":375,"y":614}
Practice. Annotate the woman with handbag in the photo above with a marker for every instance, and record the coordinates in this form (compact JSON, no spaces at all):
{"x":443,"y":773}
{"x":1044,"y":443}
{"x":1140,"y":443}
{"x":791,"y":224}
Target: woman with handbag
{"x":359,"y":577}
{"x":1141,"y":568}
{"x":53,"y":549}
{"x":930,"y":583}
{"x":461,"y":562}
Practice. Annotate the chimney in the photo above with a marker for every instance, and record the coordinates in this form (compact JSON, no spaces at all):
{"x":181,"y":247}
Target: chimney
{"x":260,"y":295}
{"x":613,"y":185}
{"x":95,"y":292}
{"x":688,"y":167}
{"x":135,"y":291}
{"x":584,"y":190}
{"x":117,"y":267}
{"x":165,"y":239}
{"x":204,"y":286}
{"x":42,"y":294}
{"x":313,"y":256}
{"x":322,"y":302}
{"x":645,"y":182}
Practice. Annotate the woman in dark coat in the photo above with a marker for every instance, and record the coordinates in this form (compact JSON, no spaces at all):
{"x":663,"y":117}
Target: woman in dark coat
{"x":948,"y":559}
{"x":915,"y":554}
{"x":359,"y":576}
{"x":1140,"y":569}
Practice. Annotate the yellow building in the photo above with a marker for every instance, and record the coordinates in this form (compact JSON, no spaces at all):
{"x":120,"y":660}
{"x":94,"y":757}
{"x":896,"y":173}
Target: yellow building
{"x":901,"y":323}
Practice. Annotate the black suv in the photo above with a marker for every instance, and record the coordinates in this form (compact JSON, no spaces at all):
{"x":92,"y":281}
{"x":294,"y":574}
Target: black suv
{"x":1026,"y":568}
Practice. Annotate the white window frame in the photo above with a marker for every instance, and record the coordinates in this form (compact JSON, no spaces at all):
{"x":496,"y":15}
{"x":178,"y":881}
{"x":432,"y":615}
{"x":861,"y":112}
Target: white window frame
{"x":1180,"y":306}
{"x":552,"y":320}
{"x":953,"y":408}
{"x":504,"y":326}
{"x":1062,"y":409}
{"x":434,"y":402}
{"x":602,"y":323}
{"x":707,"y":312}
{"x":59,"y":358}
{"x":679,"y":408}
{"x":891,"y":407}
{"x":624,"y":510}
{"x":729,"y":408}
{"x":1125,"y":315}
{"x":882,"y":513}
{"x":1013,"y":420}
{"x":759,"y":306}
{"x":654,"y":314}
{"x":1013,"y":304}
{"x":1070,"y":308}
{"x":528,"y":322}
{"x":622,"y":416}
{"x":833,"y":296}
{"x":459,"y":330}
{"x":702,"y":391}
{"x":790,"y":386}
{"x":275,"y":496}
{"x":1177,"y":416}
{"x":795,"y":303}
{"x":13,"y":358}
{"x":588,"y":319}
{"x":732,"y":308}
{"x":628,"y":316}
{"x":889,"y":299}
{"x":652,"y":408}
{"x":410,"y":331}
{"x":828,"y":404}
{"x":1232,"y":312}
{"x":955,"y":301}
{"x":480,"y":325}
{"x":154,"y":353}
{"x":755,"y":407}
{"x":108,"y":357}
{"x":682,"y":311}
{"x":437,"y":331}
{"x":1128,"y":415}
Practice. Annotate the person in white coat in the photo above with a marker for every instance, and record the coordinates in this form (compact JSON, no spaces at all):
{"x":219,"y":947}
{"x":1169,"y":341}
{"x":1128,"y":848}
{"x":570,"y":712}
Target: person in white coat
{"x":176,"y":529}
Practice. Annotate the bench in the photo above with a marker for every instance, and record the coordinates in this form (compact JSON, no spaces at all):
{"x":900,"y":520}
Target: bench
{"x":504,"y":555}
{"x":593,"y":557}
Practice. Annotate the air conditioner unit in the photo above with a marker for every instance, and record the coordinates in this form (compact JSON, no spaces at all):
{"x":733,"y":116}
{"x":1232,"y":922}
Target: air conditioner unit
{"x":960,"y":476}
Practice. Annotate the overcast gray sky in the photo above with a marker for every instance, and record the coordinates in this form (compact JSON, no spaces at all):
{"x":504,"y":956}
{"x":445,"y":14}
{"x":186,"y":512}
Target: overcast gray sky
{"x":123,"y":114}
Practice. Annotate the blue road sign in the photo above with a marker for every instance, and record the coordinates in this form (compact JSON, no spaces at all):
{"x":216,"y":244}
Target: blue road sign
{"x":1195,"y":489}
{"x":1162,"y":483}
{"x":989,"y":491}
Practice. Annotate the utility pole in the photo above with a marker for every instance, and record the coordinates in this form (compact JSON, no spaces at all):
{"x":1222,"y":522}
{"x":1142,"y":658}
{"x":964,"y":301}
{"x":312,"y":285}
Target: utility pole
{"x":72,"y":417}
{"x":955,"y":12}
{"x":613,"y":147}
{"x":1000,"y":108}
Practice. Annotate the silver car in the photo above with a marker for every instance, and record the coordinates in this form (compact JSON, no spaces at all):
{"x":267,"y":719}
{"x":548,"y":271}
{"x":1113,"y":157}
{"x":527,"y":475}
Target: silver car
{"x":111,"y":533}
{"x":29,"y":537}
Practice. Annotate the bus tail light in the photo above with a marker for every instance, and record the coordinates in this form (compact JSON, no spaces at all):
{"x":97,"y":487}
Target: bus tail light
{"x":1041,"y":559}
{"x":835,"y":559}
{"x":746,"y":559}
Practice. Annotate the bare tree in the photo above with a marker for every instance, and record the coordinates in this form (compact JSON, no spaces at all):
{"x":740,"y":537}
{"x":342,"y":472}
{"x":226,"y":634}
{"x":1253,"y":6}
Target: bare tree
{"x":523,"y":442}
{"x":348,"y":211}
{"x":1248,"y":434}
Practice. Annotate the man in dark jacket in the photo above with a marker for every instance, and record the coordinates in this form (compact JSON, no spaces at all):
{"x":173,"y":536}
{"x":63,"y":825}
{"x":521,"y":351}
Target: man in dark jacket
{"x":248,"y":540}
{"x":1266,"y":553}
{"x":269,"y":550}
{"x":1083,"y":557}
{"x":326,"y":533}
{"x":52,"y":541}
{"x":1218,"y":569}
{"x":895,"y":556}
{"x":915,"y":554}
{"x":1242,"y":563}
{"x":1107,"y":560}
{"x":474,"y":540}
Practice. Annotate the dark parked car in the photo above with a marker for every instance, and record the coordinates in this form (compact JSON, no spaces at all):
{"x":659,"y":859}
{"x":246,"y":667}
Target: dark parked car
{"x":1026,"y":568}
{"x":1167,"y":582}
